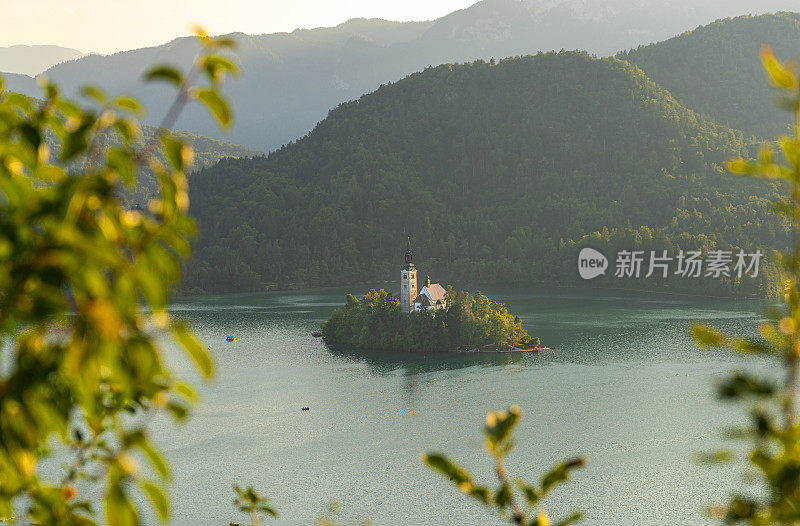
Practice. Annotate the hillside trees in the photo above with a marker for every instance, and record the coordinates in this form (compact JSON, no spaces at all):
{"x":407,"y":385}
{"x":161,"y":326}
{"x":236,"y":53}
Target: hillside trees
{"x":500,"y":172}
{"x":730,"y":89}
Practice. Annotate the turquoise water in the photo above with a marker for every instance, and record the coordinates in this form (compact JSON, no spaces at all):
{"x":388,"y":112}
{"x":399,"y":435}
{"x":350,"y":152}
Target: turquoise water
{"x":624,"y":386}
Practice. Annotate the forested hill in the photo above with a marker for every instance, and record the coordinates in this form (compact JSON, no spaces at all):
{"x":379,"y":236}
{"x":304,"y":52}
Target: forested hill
{"x":716,"y":69}
{"x":206,"y":152}
{"x":498,"y":171}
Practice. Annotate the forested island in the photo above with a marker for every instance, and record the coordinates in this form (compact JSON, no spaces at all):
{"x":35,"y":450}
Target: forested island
{"x":470,"y":323}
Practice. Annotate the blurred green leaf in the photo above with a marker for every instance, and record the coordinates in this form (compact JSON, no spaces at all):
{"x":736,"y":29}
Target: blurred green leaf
{"x":779,"y":75}
{"x":119,"y":509}
{"x":216,"y":106}
{"x":178,"y":411}
{"x":173,"y":150}
{"x":199,"y":355}
{"x":158,"y":498}
{"x":122,"y":162}
{"x":216,"y":67}
{"x":445,"y":466}
{"x":706,"y":336}
{"x":94,"y":93}
{"x":6,"y":507}
{"x":154,"y":457}
{"x":560,"y":474}
{"x":186,"y":391}
{"x":719,"y":456}
{"x":164,"y":73}
{"x":572,"y":519}
{"x":127,"y":130}
{"x":743,"y":384}
{"x":250,"y":501}
{"x":126,"y":102}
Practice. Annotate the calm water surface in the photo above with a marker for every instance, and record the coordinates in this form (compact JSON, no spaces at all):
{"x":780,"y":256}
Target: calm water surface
{"x":625,"y":387}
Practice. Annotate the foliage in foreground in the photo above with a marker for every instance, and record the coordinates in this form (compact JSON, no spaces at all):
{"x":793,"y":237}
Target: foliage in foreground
{"x":251,"y":502}
{"x":84,"y":290}
{"x":507,"y":499}
{"x":774,"y":430}
{"x":376,"y":322}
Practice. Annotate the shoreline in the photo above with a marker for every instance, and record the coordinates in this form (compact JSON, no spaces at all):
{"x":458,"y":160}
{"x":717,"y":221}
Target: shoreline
{"x":534,"y":287}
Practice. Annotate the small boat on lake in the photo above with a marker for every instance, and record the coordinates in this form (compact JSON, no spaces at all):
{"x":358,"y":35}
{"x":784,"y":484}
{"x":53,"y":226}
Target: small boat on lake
{"x":230,"y":339}
{"x":316,"y":334}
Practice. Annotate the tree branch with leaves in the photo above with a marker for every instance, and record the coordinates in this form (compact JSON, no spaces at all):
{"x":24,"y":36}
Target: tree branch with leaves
{"x":515,"y":500}
{"x":773,"y":432}
{"x":84,"y":290}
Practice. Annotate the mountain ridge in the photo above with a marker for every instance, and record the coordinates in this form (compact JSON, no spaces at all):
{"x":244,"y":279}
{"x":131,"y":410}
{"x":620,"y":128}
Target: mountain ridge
{"x":33,"y":60}
{"x":291,"y":80}
{"x":716,"y":70}
{"x":500,"y":171}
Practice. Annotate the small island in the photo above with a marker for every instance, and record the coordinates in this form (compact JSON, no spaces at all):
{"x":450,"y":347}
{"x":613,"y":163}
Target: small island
{"x":435,"y":319}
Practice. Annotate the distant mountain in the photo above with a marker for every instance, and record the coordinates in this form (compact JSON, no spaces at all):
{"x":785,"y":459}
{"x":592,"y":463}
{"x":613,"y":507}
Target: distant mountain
{"x":291,"y":80}
{"x":21,"y":84}
{"x":603,"y":27}
{"x":716,"y":69}
{"x":32,"y":60}
{"x":499,"y":172}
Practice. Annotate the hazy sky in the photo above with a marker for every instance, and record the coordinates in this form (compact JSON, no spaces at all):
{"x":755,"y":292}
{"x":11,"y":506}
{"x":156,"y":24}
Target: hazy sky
{"x":106,"y":26}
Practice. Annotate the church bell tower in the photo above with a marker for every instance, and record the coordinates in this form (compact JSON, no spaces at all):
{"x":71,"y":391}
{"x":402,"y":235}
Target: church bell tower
{"x":408,"y":281}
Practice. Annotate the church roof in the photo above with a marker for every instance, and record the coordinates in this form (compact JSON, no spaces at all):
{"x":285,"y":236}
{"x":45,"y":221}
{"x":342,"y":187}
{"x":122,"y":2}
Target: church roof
{"x":436,"y":292}
{"x":422,"y":299}
{"x":431,"y":294}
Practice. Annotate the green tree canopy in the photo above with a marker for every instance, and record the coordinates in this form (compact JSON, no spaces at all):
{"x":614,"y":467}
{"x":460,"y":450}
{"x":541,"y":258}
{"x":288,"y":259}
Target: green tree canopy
{"x":468,"y":322}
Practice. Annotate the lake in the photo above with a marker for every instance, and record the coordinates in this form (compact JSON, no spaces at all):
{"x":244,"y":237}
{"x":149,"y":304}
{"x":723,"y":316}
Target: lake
{"x":624,"y":386}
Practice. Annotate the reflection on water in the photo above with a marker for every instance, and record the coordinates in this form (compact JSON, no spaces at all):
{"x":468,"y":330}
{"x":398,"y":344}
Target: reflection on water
{"x":624,"y":385}
{"x":388,"y":362}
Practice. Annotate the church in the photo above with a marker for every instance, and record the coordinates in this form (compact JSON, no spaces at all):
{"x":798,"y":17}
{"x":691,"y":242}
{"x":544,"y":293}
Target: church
{"x":431,"y":297}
